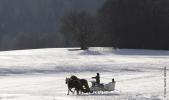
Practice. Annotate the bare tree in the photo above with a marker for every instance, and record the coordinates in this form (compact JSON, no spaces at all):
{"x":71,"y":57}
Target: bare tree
{"x":80,"y":25}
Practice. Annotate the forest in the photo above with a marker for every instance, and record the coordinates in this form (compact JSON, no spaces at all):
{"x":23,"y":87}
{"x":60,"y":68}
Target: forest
{"x":133,"y":24}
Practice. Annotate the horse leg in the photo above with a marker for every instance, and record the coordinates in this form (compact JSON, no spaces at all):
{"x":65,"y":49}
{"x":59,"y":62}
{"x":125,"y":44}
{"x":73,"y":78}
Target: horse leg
{"x":81,"y":92}
{"x":77,"y":92}
{"x":68,"y":92}
{"x":74,"y":91}
{"x":71,"y":91}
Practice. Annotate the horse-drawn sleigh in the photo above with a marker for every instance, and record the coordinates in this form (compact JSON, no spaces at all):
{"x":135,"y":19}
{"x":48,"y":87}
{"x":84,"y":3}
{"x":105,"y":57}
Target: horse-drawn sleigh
{"x":81,"y":86}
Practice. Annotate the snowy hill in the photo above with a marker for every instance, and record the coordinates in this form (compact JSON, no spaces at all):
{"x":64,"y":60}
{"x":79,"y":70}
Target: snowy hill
{"x":39,"y":74}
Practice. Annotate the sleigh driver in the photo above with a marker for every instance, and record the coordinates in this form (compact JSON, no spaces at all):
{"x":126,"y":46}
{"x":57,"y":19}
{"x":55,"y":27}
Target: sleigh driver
{"x":97,"y":77}
{"x":97,"y":83}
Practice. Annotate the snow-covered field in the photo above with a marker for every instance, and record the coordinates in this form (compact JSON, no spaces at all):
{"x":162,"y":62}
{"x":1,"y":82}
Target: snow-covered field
{"x":40,"y":74}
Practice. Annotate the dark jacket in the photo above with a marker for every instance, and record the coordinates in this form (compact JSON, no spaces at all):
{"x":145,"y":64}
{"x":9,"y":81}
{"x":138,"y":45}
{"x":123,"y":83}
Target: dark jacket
{"x":97,"y":78}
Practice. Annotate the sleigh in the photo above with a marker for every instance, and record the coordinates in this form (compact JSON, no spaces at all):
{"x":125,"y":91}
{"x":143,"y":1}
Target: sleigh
{"x":81,"y":85}
{"x":102,"y":87}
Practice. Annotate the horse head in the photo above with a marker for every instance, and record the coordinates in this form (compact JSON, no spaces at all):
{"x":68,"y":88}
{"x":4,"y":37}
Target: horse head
{"x":66,"y":80}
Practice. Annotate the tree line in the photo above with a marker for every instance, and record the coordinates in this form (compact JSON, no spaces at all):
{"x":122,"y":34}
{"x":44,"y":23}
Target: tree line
{"x":27,"y":24}
{"x":142,"y":24}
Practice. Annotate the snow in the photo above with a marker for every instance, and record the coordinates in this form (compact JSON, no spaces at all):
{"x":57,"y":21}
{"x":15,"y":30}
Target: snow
{"x":39,"y":74}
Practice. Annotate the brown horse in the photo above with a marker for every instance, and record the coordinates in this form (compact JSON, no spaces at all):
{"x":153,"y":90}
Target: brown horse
{"x":84,"y":83}
{"x":76,"y":84}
